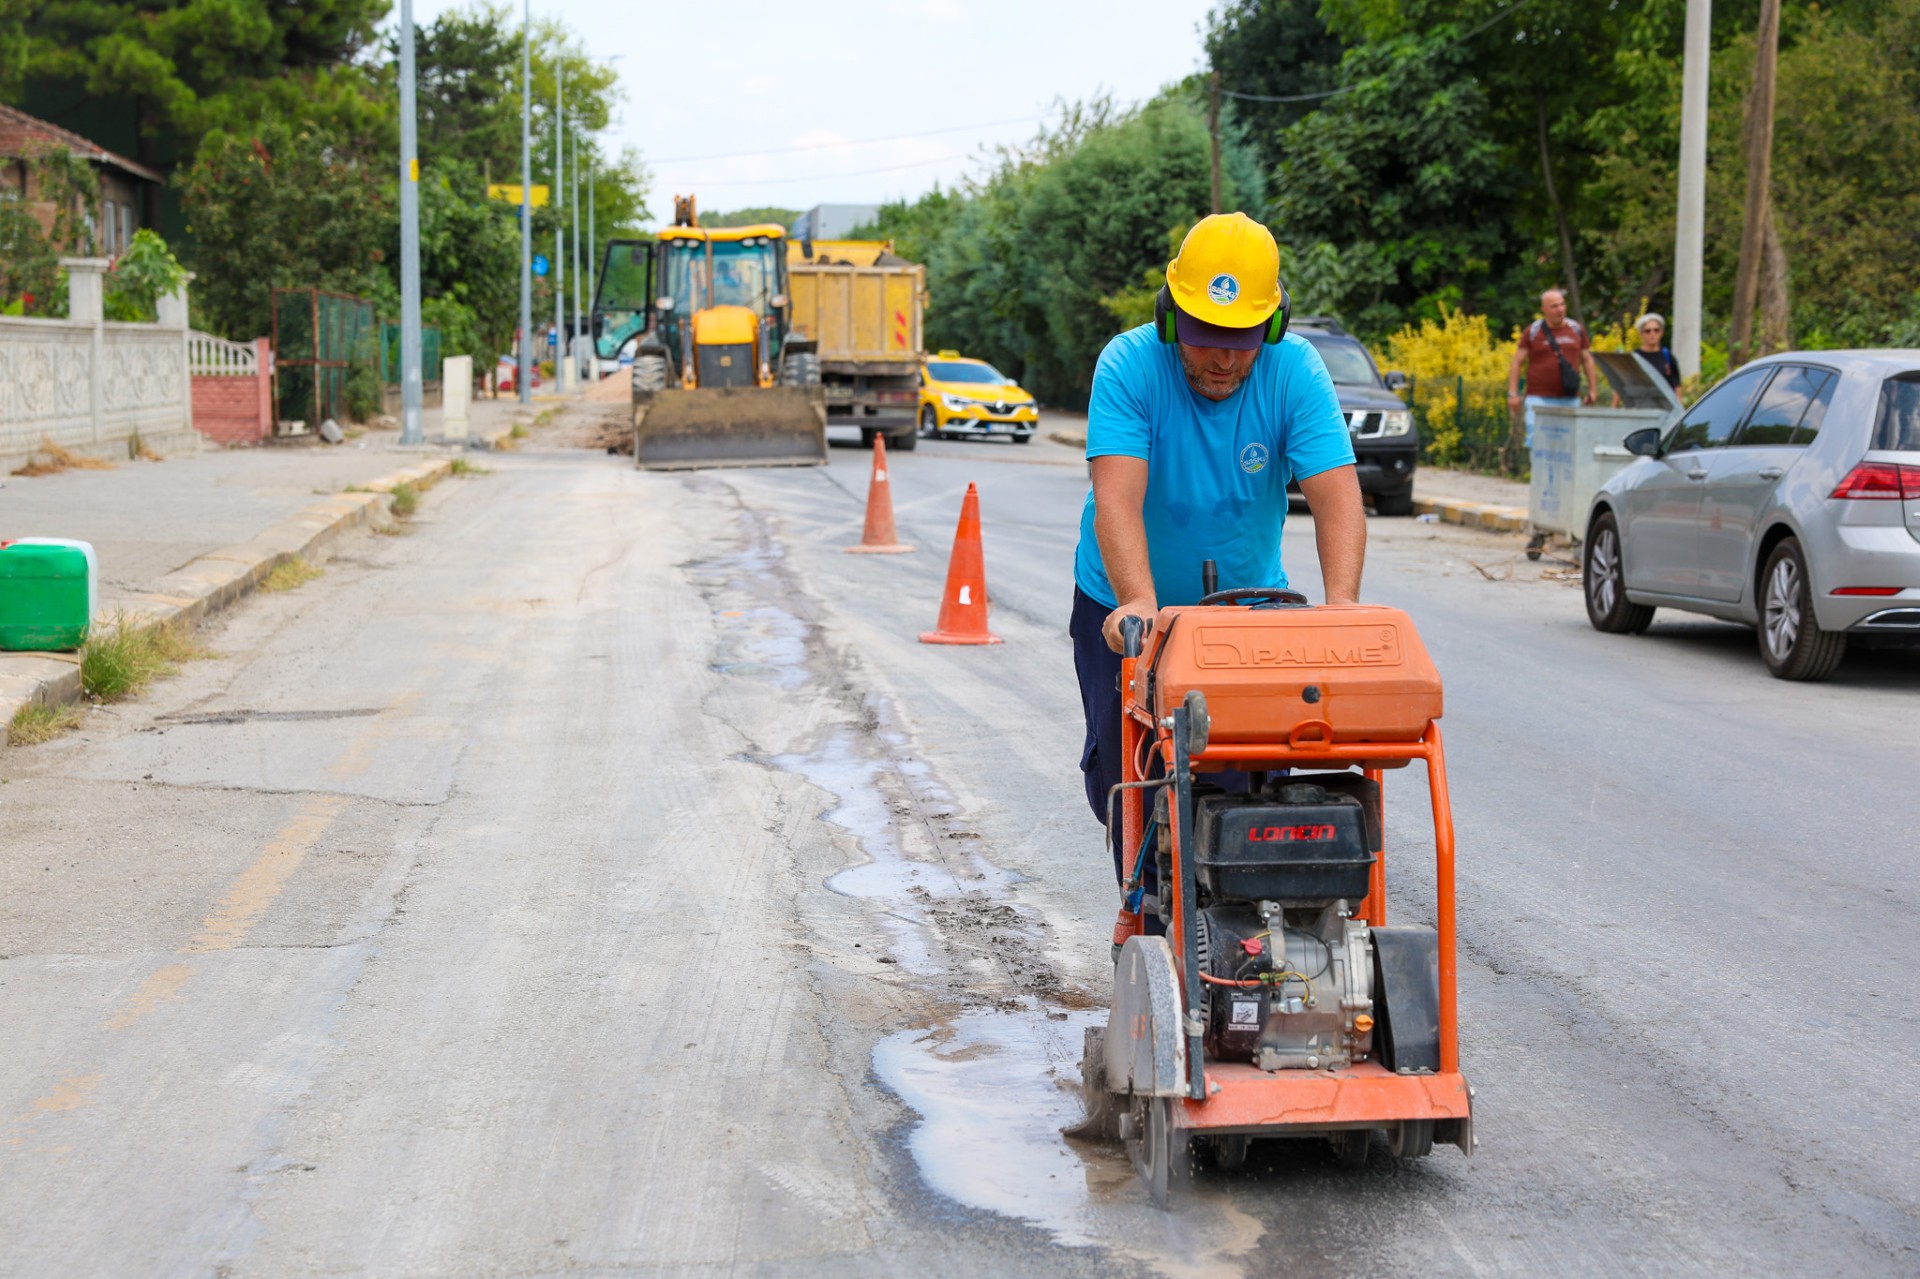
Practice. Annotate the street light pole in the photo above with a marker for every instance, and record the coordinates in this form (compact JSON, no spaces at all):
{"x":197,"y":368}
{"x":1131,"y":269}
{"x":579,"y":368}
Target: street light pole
{"x":573,"y":330}
{"x":1690,"y":229}
{"x":593,"y":264}
{"x":410,"y":385}
{"x":524,"y":382}
{"x":559,"y":227}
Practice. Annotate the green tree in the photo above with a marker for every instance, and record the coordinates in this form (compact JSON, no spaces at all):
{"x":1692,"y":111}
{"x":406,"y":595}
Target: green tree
{"x":281,"y":209}
{"x":1272,"y":48}
{"x":1394,"y":195}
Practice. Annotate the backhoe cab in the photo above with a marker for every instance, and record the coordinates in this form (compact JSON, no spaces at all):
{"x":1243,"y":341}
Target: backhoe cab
{"x":717,"y":381}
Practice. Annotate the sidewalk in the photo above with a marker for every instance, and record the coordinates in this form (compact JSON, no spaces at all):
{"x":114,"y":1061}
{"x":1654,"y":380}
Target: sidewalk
{"x":188,"y":536}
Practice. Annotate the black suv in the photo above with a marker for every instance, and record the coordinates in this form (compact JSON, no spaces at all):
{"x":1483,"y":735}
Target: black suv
{"x":1385,"y":443}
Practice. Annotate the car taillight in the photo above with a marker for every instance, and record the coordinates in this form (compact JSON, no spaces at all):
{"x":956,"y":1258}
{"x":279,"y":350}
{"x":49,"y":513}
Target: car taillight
{"x":1882,"y":481}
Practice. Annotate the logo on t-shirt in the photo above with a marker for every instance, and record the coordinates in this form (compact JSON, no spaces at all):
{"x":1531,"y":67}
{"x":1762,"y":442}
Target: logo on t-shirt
{"x":1223,"y":289}
{"x":1253,"y":459}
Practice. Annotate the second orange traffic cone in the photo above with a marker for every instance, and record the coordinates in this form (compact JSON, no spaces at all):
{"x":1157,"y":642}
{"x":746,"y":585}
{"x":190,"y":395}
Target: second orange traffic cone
{"x":963,"y":605}
{"x":879,"y":537}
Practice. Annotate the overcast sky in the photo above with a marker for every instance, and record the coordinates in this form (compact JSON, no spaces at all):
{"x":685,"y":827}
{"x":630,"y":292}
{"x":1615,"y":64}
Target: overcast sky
{"x":938,"y":78}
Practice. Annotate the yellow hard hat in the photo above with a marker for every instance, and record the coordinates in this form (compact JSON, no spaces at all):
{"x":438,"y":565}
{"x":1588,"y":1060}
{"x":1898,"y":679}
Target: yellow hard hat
{"x":1227,"y":273}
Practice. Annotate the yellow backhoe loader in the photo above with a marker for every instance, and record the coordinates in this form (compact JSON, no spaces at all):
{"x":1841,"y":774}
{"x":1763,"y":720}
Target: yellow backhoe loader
{"x":717,"y":378}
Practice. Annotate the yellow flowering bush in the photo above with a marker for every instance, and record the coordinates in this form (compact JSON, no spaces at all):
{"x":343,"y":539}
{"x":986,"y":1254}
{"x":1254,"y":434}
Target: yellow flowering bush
{"x":1458,"y":372}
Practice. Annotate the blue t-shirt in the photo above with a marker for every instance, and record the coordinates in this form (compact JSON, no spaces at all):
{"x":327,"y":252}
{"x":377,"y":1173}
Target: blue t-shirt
{"x":1217,"y":471}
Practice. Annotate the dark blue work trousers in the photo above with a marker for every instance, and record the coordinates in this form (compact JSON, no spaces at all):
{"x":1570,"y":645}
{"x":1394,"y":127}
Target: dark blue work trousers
{"x":1099,"y":670}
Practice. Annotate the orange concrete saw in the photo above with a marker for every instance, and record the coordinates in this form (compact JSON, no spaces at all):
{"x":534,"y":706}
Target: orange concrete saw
{"x":1279,"y":1002}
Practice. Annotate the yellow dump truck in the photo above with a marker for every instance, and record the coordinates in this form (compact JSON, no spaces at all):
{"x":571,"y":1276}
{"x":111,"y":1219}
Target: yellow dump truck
{"x":860,"y":306}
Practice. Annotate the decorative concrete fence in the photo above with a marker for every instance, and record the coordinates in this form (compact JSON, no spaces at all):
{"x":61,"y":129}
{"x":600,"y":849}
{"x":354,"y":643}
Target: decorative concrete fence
{"x":232,"y":388}
{"x":89,"y":385}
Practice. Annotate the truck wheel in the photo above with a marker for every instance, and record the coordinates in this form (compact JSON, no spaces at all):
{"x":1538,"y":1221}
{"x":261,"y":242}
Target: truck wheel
{"x":650,"y":373}
{"x":1791,"y":640}
{"x":800,"y":369}
{"x":1394,"y":504}
{"x":903,"y":441}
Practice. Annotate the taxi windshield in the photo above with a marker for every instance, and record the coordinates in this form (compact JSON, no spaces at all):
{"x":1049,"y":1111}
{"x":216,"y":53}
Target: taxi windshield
{"x":964,"y":371}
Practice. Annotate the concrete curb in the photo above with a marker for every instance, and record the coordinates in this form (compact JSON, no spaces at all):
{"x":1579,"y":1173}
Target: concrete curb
{"x":208,"y":584}
{"x":1480,"y":515}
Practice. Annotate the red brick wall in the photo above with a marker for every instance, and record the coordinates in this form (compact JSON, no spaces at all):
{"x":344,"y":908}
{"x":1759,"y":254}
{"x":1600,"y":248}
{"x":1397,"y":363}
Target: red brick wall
{"x":235,"y":410}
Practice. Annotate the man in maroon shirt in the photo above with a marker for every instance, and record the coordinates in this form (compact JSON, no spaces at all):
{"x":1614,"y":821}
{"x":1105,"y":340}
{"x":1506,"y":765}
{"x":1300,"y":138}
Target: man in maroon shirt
{"x":1551,"y":348}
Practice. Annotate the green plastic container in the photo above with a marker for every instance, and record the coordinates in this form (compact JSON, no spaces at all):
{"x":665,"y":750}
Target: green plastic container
{"x":48,"y":587}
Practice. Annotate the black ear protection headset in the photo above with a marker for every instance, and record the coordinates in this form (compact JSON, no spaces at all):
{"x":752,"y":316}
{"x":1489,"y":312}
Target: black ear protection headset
{"x":1164,"y":309}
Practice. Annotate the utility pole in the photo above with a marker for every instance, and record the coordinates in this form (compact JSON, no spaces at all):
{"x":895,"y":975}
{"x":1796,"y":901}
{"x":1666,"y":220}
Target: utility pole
{"x":524,"y":382}
{"x":1213,"y":132}
{"x":593,"y":262}
{"x":573,"y":330}
{"x":1759,"y":205}
{"x":559,"y":227}
{"x":410,"y":385}
{"x":1690,"y":231}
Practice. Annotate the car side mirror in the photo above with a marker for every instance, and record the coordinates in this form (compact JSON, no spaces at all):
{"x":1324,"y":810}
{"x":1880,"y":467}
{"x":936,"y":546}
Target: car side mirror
{"x":1395,"y":380}
{"x":664,"y":304}
{"x":1644,"y":442}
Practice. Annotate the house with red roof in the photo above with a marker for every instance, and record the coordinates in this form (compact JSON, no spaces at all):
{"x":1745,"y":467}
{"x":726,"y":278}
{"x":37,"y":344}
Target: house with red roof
{"x":109,"y":215}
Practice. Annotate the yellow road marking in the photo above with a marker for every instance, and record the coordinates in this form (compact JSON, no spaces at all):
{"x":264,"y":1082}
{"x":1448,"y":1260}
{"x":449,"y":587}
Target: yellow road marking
{"x":70,"y":1093}
{"x":261,"y":882}
{"x":161,"y":988}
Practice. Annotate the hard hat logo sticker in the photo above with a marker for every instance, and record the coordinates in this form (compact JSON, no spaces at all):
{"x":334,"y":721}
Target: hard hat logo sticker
{"x":1253,"y":459}
{"x":1223,"y":289}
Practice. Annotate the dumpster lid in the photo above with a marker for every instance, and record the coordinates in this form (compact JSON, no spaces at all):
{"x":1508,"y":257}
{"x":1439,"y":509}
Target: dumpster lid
{"x":1637,"y":383}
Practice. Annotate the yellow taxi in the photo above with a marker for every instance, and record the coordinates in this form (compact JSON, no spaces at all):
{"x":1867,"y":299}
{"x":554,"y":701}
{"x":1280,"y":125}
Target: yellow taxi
{"x":962,"y":396}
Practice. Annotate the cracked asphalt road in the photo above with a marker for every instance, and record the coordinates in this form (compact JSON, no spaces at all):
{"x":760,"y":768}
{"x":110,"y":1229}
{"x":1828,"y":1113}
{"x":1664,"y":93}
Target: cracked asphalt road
{"x":602,"y":880}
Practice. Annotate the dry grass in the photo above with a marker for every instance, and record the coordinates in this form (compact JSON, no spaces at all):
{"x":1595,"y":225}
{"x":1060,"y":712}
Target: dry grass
{"x":120,"y":660}
{"x":289,"y":573}
{"x":137,"y":450}
{"x":463,"y":468}
{"x":519,"y":431}
{"x":58,"y":460}
{"x":406,"y":500}
{"x":33,"y":723}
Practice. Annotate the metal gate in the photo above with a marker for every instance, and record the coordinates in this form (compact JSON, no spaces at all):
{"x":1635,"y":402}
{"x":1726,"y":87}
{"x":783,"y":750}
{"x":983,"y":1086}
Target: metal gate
{"x":322,"y":343}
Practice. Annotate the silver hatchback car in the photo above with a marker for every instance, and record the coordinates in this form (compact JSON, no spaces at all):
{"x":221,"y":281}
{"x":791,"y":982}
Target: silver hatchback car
{"x":1788,"y":498}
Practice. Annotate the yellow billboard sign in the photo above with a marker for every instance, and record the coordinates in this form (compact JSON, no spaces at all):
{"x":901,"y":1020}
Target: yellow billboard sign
{"x":511,"y":193}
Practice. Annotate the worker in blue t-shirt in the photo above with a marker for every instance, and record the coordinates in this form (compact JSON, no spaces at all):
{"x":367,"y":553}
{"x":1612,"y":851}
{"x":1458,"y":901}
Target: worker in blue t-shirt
{"x":1197,"y":424}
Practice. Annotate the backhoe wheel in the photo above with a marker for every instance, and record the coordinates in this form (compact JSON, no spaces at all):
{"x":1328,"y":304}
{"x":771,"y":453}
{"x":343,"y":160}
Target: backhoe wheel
{"x":800,"y":368}
{"x":649,"y":372}
{"x":1791,"y":640}
{"x":1603,"y":575}
{"x":930,"y":424}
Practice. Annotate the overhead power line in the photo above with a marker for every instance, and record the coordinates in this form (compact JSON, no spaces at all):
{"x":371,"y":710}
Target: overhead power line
{"x":1349,"y":88}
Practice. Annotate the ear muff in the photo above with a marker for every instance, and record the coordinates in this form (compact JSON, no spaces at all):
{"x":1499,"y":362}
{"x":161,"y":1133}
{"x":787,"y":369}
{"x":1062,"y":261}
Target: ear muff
{"x":1163,"y":312}
{"x":1277,"y":326}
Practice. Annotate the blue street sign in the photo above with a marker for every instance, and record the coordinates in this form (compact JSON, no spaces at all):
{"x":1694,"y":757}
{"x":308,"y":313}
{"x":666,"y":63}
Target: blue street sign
{"x":539,"y":264}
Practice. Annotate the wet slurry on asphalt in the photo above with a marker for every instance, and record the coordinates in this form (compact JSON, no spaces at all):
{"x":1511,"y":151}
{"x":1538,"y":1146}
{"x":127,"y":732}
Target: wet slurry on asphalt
{"x":679,"y":912}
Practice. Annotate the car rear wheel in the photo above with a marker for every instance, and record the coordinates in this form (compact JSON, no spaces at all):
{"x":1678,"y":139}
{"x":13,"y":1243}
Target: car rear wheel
{"x":1791,"y":640}
{"x":1605,"y":581}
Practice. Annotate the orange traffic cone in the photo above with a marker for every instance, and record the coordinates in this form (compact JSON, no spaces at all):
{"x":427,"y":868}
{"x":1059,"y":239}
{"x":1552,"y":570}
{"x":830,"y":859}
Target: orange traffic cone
{"x":879,"y":537}
{"x":963,"y":606}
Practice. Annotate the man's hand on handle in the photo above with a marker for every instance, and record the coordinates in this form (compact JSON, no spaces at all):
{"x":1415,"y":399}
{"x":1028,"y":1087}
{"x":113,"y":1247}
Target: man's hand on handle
{"x":1110,"y":629}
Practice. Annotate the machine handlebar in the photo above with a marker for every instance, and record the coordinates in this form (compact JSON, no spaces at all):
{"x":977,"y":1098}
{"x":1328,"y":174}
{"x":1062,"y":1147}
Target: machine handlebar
{"x":1267,"y":594}
{"x":1133,"y":635}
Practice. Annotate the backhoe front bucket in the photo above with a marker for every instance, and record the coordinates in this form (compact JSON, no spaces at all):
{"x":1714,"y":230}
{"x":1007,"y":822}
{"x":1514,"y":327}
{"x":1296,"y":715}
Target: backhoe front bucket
{"x":677,"y":429}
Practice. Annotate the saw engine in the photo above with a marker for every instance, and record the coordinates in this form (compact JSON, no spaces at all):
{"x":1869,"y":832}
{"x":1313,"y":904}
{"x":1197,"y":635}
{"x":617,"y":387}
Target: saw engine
{"x":1281,"y":872}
